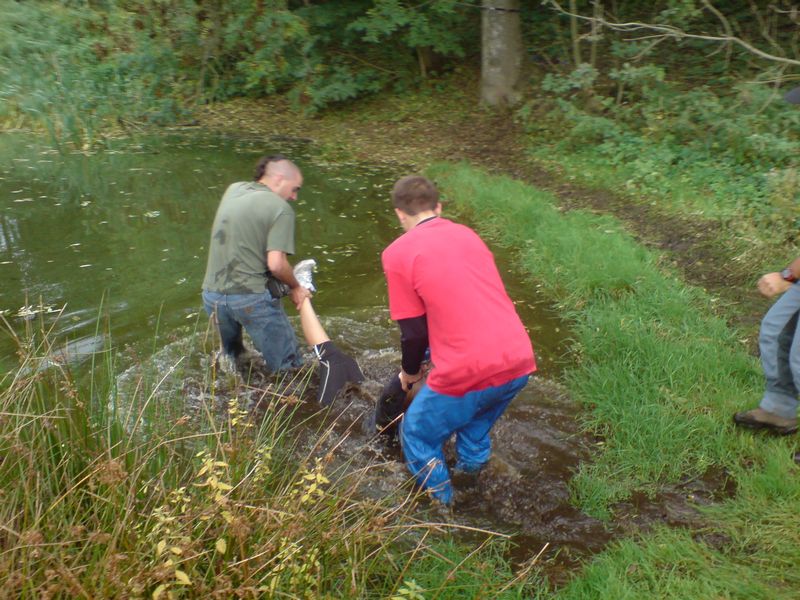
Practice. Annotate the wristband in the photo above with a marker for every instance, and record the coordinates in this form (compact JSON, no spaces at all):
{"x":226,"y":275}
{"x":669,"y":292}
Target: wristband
{"x":787,"y":275}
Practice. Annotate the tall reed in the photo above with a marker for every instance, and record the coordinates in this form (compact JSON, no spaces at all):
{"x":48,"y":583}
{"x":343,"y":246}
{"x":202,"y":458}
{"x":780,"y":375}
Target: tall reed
{"x":130,"y":493}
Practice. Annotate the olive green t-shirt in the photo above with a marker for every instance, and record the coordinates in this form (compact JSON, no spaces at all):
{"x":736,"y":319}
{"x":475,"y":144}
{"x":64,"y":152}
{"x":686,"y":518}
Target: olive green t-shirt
{"x":250,"y":221}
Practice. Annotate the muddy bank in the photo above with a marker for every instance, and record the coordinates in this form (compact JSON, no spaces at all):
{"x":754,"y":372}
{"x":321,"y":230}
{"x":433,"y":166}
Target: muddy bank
{"x":523,"y":493}
{"x":539,"y":443}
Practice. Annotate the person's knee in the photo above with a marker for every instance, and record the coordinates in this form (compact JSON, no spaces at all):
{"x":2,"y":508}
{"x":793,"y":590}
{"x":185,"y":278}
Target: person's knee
{"x":416,"y":446}
{"x":418,"y":429}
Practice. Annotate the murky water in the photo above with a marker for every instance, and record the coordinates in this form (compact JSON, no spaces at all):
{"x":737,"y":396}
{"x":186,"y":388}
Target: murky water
{"x":109,"y":250}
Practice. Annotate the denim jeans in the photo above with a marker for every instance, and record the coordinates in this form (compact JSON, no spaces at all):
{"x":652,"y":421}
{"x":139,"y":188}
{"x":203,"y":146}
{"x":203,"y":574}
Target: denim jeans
{"x":266,"y":323}
{"x":780,"y":354}
{"x":432,"y":418}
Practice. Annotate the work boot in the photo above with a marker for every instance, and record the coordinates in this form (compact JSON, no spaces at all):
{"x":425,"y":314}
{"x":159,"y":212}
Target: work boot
{"x":335,"y":370}
{"x":304,"y":271}
{"x":758,"y":418}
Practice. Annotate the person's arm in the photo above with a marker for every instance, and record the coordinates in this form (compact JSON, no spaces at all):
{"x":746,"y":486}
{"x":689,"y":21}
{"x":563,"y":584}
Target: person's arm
{"x":413,"y":344}
{"x":772,"y":284}
{"x":279,"y":266}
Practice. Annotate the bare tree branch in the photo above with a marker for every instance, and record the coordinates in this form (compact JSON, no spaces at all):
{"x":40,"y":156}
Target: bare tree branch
{"x":726,"y":26}
{"x":674,"y":32}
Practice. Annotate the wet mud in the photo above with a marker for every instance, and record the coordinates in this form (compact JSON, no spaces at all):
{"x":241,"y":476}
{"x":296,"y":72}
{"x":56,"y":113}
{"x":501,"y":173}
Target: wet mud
{"x":523,"y":493}
{"x":524,"y":490}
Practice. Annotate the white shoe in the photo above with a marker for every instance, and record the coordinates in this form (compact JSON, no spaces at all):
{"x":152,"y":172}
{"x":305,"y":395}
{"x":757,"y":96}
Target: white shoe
{"x":303,"y":272}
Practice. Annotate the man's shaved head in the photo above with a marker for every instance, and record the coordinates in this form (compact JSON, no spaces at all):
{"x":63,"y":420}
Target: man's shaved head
{"x":272,"y":163}
{"x":283,"y":167}
{"x":280,"y":175}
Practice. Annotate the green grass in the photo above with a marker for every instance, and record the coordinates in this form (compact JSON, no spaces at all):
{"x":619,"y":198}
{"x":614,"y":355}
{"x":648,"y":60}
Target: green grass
{"x":660,"y":376}
{"x":728,"y":154}
{"x":669,"y":564}
{"x":117,"y":488}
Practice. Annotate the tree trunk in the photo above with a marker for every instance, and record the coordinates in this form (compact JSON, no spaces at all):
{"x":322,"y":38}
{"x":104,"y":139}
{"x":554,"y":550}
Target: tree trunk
{"x":501,"y":47}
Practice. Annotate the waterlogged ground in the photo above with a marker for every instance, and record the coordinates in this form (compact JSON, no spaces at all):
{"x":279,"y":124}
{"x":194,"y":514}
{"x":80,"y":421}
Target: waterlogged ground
{"x":107,"y":252}
{"x":523,"y":494}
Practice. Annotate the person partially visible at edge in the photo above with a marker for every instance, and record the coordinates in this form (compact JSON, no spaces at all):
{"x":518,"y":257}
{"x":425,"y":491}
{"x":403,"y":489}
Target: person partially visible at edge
{"x":779,"y":344}
{"x":252,"y":235}
{"x":446,"y":294}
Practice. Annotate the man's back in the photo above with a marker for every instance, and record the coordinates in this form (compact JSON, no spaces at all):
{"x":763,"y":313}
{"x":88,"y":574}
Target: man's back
{"x":445,"y":271}
{"x":250,"y":221}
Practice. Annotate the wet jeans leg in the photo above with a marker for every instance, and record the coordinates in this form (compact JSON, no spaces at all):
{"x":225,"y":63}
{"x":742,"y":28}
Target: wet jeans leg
{"x":473,"y":444}
{"x":427,"y":424}
{"x":432,"y":418}
{"x":267,"y":324}
{"x":230,"y":331}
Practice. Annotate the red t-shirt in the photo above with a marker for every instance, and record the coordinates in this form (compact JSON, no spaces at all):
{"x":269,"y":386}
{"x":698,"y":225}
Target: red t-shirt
{"x":444,"y":271}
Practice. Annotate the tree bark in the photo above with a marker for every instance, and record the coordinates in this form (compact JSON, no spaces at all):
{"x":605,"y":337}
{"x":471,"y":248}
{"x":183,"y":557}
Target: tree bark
{"x":501,"y":52}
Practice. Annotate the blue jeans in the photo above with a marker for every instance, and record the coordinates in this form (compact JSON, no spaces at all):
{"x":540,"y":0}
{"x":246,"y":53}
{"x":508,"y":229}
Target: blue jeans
{"x":780,"y":354}
{"x":432,"y":418}
{"x":266,"y":323}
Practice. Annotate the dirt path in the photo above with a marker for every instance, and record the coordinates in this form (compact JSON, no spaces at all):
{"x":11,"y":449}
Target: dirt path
{"x":415,"y":133}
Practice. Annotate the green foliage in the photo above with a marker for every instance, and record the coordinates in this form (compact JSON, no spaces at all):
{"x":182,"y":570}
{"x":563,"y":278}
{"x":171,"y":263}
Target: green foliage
{"x":269,"y":48}
{"x":737,"y":153}
{"x":694,"y":124}
{"x":77,"y":73}
{"x":448,"y":576}
{"x":680,"y":12}
{"x":88,"y":66}
{"x":438,"y":25}
{"x":643,"y":78}
{"x":670,"y":564}
{"x":582,"y":78}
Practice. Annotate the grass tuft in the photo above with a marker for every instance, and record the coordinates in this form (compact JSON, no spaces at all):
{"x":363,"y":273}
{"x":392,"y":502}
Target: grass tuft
{"x":114,"y":487}
{"x":660,"y":376}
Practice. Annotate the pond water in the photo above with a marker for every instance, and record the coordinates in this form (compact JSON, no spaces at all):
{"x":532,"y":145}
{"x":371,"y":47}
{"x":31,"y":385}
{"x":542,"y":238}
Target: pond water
{"x":115,"y":242}
{"x":127,"y":230}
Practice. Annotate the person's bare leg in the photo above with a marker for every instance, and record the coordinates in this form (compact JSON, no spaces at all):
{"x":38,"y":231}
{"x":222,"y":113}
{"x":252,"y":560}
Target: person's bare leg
{"x":312,"y":328}
{"x":335,"y":368}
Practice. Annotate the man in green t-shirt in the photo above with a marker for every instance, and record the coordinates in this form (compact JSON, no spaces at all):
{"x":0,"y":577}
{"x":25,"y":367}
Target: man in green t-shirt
{"x":252,"y":235}
{"x":247,"y":270}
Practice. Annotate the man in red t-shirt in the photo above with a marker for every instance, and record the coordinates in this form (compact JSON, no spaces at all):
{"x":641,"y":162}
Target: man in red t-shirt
{"x":446,"y":294}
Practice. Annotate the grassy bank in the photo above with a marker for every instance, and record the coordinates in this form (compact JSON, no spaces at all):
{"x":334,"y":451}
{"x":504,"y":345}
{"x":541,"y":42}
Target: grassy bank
{"x":738,"y":207}
{"x":154,"y":501}
{"x":120,"y":488}
{"x":660,"y":376}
